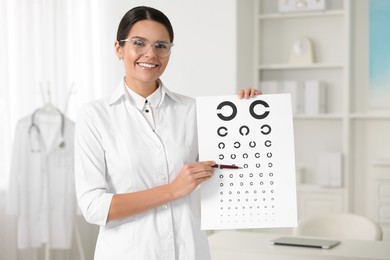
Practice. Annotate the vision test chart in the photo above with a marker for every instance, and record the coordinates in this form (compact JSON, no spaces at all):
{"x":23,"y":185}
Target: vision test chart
{"x":257,"y":135}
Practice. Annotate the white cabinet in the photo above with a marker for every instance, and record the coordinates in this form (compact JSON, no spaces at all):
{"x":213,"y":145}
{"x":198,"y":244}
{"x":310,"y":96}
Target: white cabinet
{"x":329,"y":132}
{"x":313,"y":200}
{"x":379,"y":193}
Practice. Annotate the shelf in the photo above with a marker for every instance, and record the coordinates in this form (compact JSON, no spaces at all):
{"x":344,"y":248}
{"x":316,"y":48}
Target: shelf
{"x":383,"y":163}
{"x":300,"y":67}
{"x":370,"y":116}
{"x":318,"y":117}
{"x":271,"y":16}
{"x":314,"y":187}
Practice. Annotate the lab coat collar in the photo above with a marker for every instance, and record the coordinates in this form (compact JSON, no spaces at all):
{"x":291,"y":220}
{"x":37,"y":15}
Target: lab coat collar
{"x":139,"y":101}
{"x":47,"y":146}
{"x":120,"y":92}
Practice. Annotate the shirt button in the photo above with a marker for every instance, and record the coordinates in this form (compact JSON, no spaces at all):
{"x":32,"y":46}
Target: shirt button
{"x":165,"y":206}
{"x":169,"y":236}
{"x":163,"y":177}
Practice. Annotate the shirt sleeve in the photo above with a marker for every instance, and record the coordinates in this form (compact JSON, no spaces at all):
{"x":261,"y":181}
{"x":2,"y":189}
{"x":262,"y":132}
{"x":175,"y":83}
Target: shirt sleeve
{"x":91,"y":187}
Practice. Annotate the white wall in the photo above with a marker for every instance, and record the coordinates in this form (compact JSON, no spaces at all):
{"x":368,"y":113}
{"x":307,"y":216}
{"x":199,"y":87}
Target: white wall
{"x":245,"y":65}
{"x":203,"y":60}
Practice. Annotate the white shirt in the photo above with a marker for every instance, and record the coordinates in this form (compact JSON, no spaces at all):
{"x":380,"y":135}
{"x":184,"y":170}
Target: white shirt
{"x":41,"y":191}
{"x":117,"y":151}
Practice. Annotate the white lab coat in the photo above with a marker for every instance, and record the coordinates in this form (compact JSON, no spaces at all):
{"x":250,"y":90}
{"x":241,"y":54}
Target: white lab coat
{"x":117,"y":151}
{"x":41,"y":190}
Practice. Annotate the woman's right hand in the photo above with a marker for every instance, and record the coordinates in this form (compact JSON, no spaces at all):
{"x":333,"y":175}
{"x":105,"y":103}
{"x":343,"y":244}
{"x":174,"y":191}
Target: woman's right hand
{"x":190,"y":176}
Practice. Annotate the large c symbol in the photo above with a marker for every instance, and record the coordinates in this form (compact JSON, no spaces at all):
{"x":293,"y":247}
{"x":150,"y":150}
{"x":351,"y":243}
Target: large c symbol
{"x":252,"y":108}
{"x":234,"y":112}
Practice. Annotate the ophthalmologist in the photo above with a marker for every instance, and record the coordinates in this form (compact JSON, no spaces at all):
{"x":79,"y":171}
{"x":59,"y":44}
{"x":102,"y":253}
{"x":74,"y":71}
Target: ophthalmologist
{"x":136,"y":154}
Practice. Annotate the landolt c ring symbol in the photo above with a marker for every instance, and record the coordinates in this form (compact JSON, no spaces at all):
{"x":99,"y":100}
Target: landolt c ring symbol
{"x":246,"y":130}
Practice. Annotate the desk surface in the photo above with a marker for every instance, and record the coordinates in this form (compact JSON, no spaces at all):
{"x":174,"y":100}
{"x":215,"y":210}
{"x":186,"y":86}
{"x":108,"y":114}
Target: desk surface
{"x":244,"y":245}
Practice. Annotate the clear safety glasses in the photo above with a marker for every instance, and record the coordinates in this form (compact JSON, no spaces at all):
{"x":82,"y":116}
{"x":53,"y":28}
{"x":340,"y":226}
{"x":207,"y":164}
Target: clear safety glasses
{"x":142,"y":46}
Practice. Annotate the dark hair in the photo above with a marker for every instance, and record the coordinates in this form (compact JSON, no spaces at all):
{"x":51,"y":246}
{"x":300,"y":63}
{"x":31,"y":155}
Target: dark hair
{"x":140,"y":13}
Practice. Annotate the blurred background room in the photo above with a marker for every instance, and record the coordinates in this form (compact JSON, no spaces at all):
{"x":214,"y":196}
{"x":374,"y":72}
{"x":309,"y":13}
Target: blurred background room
{"x":57,"y":55}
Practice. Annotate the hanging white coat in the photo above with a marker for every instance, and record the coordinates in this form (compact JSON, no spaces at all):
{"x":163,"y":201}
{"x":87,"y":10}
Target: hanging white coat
{"x":41,"y":188}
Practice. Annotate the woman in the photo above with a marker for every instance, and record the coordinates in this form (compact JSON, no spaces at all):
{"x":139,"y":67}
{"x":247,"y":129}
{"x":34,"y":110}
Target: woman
{"x":136,"y":151}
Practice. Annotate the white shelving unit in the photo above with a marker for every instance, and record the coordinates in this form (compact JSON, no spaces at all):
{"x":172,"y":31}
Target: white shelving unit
{"x":329,"y":31}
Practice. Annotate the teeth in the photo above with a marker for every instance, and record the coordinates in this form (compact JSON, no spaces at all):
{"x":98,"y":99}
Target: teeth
{"x":146,"y":65}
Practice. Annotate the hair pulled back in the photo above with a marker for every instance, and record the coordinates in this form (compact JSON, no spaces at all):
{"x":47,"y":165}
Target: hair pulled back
{"x":140,"y":13}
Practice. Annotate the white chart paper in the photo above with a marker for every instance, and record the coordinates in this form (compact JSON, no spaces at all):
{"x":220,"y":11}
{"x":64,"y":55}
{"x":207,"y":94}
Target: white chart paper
{"x":256,"y":134}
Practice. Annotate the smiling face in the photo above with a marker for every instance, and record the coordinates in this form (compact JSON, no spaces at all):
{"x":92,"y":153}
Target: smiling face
{"x":143,"y":70}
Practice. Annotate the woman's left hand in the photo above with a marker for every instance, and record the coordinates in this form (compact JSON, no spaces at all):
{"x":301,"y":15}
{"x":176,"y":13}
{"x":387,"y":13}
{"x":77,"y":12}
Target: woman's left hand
{"x":248,"y":93}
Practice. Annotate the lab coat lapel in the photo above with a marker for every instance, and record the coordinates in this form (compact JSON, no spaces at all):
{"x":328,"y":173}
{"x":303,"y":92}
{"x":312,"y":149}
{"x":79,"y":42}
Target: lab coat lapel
{"x":59,"y":135}
{"x":46,"y":145}
{"x":56,"y":141}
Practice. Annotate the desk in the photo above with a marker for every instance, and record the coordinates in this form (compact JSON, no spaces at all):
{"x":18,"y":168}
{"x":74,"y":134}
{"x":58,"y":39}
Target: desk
{"x":244,"y":245}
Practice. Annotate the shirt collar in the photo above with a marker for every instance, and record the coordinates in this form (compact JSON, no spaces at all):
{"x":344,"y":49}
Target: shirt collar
{"x":120,"y":91}
{"x":139,"y":101}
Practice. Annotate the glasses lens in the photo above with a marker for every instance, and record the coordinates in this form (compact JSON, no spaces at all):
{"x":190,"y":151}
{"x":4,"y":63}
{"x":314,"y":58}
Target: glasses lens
{"x":141,"y":46}
{"x":162,"y":48}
